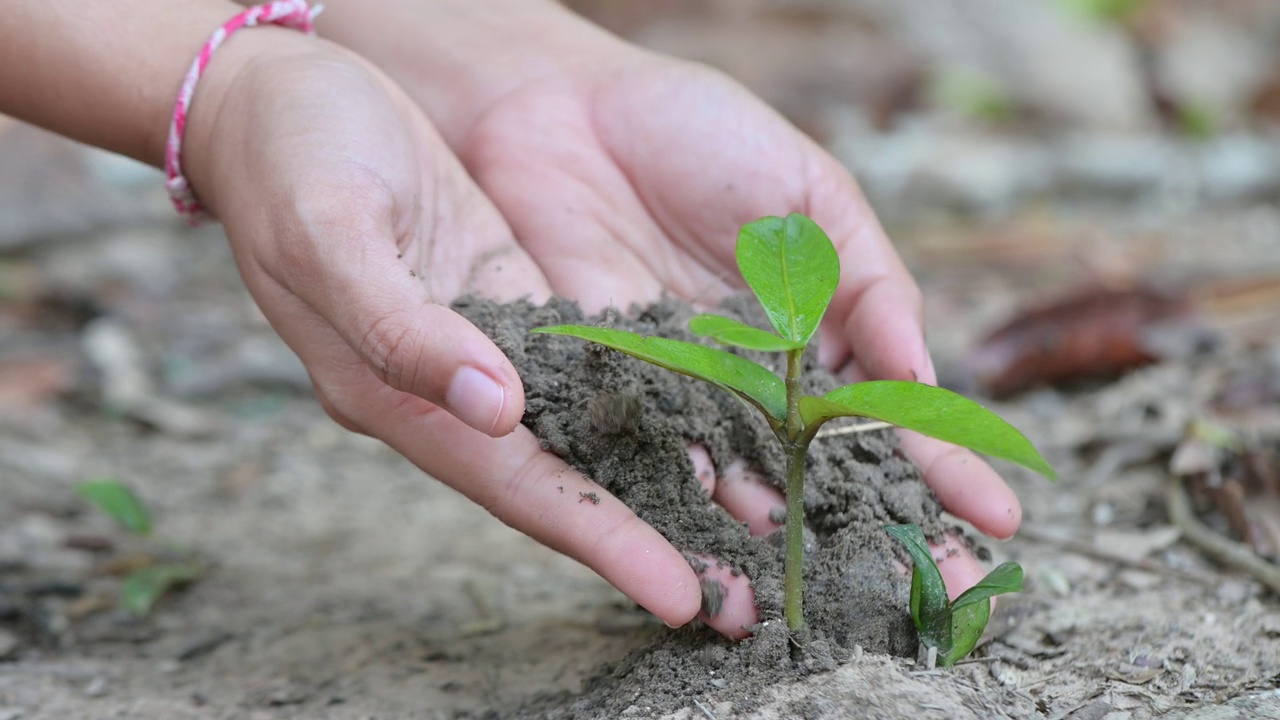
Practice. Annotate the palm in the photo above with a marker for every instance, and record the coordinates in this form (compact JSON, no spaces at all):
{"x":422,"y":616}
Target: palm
{"x":618,"y":203}
{"x":623,"y":184}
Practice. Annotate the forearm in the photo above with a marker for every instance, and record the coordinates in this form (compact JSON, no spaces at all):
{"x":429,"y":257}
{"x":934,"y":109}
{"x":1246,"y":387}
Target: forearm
{"x":105,"y":73}
{"x":457,"y":57}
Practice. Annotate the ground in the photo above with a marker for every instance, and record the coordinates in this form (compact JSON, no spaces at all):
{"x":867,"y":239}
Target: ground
{"x":342,"y":583}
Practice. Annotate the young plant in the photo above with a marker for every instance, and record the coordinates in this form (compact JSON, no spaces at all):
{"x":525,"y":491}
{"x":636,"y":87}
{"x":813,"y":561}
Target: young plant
{"x":792,"y":267}
{"x":143,"y":586}
{"x":950,"y":629}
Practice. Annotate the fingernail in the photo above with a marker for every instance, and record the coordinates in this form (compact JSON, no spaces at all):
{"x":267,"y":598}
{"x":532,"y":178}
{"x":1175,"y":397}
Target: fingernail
{"x":475,"y":399}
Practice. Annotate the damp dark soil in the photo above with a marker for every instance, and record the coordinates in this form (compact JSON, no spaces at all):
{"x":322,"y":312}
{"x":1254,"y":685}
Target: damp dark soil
{"x":627,"y":425}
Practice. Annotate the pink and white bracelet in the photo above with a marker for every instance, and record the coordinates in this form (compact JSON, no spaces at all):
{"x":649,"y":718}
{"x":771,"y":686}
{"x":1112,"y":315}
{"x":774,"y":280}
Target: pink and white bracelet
{"x":290,"y":13}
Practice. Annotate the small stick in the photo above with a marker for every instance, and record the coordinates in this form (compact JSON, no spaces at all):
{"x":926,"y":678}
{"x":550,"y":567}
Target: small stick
{"x":1089,"y":551}
{"x":1237,"y":556}
{"x":704,"y":709}
{"x":851,"y":429}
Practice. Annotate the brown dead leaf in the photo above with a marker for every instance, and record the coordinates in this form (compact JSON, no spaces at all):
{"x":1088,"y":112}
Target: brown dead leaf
{"x":1092,"y":332}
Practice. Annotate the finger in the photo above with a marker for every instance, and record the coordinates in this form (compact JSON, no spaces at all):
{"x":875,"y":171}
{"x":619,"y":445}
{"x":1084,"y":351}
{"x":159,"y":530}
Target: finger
{"x":959,"y":568}
{"x":344,"y":262}
{"x":728,"y":602}
{"x":876,"y":313}
{"x":740,"y":491}
{"x":965,"y":484}
{"x":750,"y":499}
{"x":510,"y":476}
{"x":703,"y":469}
{"x":597,"y":242}
{"x":537,"y":494}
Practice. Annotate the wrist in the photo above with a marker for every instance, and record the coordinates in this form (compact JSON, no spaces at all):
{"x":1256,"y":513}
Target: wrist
{"x":228,"y":106}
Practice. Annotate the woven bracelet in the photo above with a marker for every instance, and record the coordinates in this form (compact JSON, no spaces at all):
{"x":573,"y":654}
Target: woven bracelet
{"x":289,"y":13}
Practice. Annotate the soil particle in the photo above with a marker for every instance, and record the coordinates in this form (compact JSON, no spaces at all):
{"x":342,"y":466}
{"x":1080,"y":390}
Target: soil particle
{"x":627,"y":425}
{"x":712,"y":596}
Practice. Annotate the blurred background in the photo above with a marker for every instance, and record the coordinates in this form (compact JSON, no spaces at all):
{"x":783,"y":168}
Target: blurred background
{"x":1017,"y":151}
{"x":1088,"y":192}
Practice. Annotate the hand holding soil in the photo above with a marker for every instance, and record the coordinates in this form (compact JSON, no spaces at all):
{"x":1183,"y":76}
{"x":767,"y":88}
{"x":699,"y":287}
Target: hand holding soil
{"x":602,"y":173}
{"x":624,"y":176}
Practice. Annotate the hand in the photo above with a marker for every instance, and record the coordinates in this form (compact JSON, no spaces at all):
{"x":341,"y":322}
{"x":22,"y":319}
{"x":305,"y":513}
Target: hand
{"x":626,"y":175}
{"x":351,"y":222}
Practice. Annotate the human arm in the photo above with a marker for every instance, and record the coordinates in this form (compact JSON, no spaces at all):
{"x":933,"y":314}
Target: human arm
{"x":352,"y":225}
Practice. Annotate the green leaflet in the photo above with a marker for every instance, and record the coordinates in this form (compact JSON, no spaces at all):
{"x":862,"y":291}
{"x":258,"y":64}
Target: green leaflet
{"x":931,"y":411}
{"x":740,"y":376}
{"x":793,"y":269}
{"x":117,"y":500}
{"x":954,"y":628}
{"x":971,"y":611}
{"x":143,"y":588}
{"x":727,"y":331}
{"x":929,"y":607}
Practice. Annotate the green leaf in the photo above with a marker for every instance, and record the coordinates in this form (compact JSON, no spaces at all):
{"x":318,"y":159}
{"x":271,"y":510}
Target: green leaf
{"x":932,"y":411}
{"x":1004,"y":579}
{"x":751,"y":382}
{"x":731,"y":332}
{"x":117,"y":500}
{"x":929,"y":607}
{"x":967,"y":624}
{"x":792,"y":267}
{"x":971,"y":611}
{"x":143,"y":588}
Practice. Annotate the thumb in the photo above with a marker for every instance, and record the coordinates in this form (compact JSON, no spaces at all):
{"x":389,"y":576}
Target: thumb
{"x":358,"y":284}
{"x":420,"y":347}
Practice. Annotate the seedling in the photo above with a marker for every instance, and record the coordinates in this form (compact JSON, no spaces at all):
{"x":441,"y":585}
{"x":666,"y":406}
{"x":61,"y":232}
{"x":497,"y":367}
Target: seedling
{"x":950,"y":629}
{"x":143,"y":586}
{"x":793,"y":269}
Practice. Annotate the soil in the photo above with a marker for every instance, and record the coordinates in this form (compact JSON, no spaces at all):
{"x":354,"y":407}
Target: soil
{"x":857,"y":594}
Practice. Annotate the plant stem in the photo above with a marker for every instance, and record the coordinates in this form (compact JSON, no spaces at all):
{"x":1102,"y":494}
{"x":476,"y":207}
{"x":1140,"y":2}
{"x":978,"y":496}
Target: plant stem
{"x":795,"y":442}
{"x":793,"y":579}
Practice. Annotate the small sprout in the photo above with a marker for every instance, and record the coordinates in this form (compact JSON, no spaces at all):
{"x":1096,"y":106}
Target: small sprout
{"x":143,"y":587}
{"x":117,"y":500}
{"x":793,"y":269}
{"x":950,"y":630}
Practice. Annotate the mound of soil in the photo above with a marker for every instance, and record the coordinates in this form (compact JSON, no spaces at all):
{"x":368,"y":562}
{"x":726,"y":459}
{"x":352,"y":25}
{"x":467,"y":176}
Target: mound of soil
{"x":627,"y":425}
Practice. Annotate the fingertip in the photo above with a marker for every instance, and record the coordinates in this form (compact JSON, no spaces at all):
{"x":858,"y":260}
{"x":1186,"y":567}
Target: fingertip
{"x":965,"y":485}
{"x":490,"y":402}
{"x":704,"y":469}
{"x":728,"y":603}
{"x":959,"y":568}
{"x":746,"y":496}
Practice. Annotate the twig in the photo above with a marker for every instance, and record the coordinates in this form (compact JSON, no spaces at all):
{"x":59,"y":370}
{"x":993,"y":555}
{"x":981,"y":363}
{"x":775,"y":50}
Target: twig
{"x":1089,"y":551}
{"x":851,"y":429}
{"x":704,"y":709}
{"x":1237,"y":556}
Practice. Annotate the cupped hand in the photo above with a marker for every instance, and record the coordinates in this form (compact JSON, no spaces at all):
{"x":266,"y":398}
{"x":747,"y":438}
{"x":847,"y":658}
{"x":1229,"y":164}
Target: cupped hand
{"x":352,"y":224}
{"x":626,"y":175}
